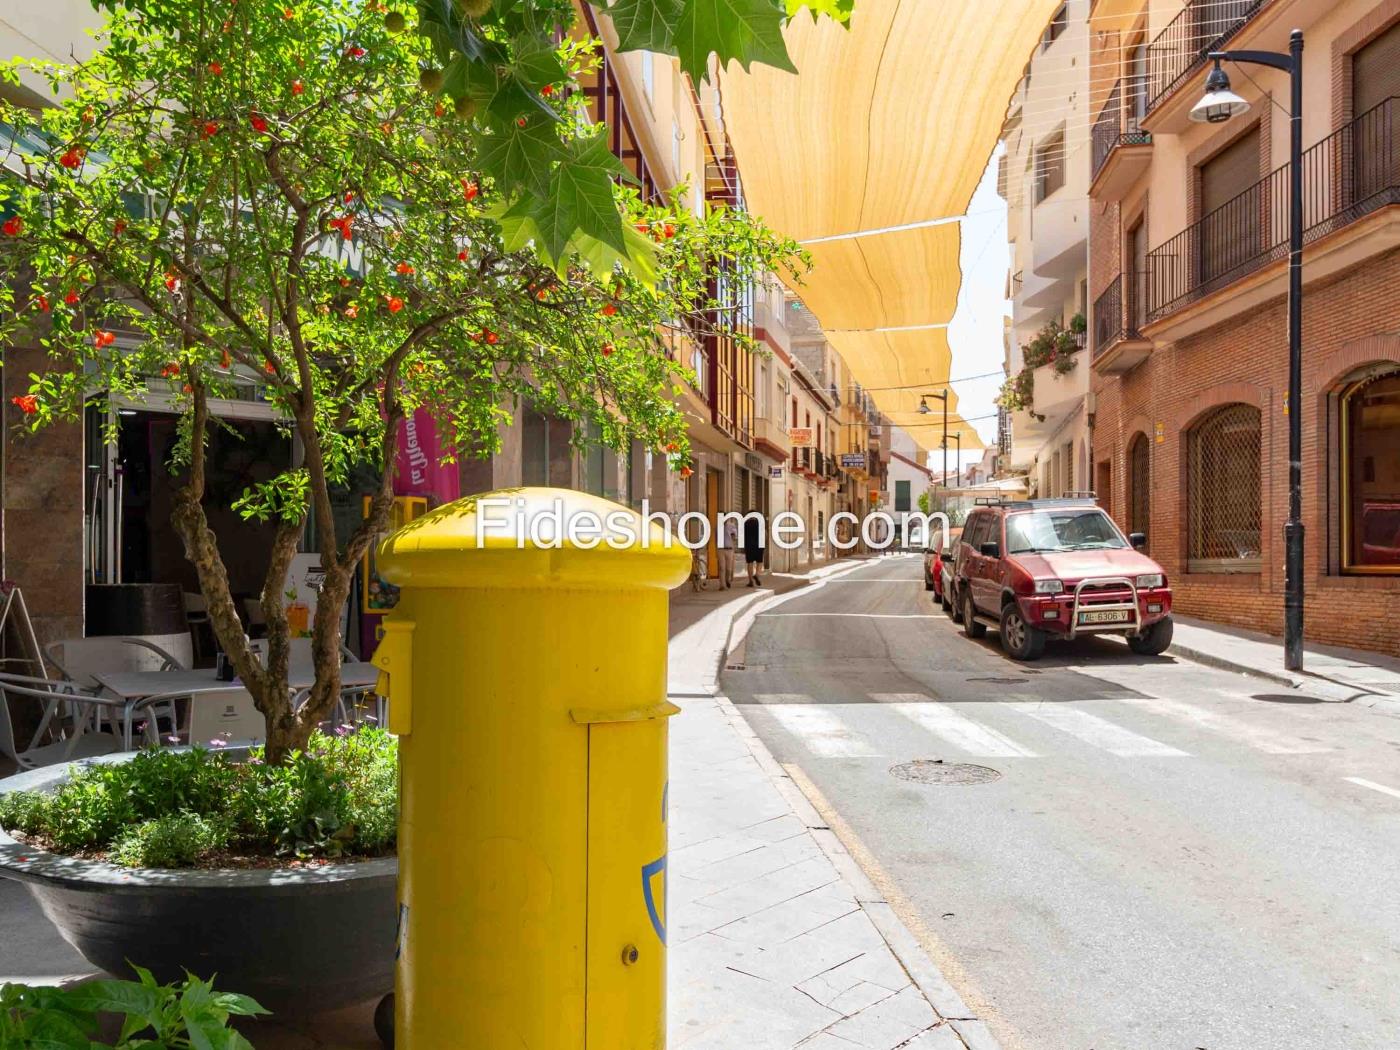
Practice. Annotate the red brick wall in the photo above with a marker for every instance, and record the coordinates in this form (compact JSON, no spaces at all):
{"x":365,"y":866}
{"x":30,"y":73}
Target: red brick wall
{"x":1349,"y":321}
{"x":42,"y":503}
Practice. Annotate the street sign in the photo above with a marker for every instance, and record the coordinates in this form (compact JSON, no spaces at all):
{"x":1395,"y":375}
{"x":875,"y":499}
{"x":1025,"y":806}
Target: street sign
{"x":801,"y":437}
{"x":775,"y":473}
{"x":853,"y":460}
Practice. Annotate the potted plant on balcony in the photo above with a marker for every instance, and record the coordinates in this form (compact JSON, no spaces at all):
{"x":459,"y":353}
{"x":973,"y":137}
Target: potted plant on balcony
{"x":354,"y":211}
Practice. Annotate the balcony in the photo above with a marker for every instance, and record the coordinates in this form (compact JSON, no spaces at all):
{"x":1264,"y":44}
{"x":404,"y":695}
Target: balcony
{"x":1351,"y":181}
{"x":1056,"y":394}
{"x":1118,"y":343}
{"x":771,"y":440}
{"x":1119,"y":154}
{"x":1179,"y":51}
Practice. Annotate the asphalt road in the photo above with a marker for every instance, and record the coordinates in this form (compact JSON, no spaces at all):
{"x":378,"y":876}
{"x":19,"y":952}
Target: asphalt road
{"x":1172,"y":857}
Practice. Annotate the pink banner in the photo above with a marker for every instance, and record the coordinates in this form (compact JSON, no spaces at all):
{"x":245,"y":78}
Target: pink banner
{"x":419,"y":471}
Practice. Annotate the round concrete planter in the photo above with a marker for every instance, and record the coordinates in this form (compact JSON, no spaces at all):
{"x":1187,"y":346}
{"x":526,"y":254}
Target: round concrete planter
{"x":300,"y":941}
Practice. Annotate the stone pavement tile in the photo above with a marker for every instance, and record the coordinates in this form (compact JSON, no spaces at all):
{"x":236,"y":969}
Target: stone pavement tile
{"x":975,"y":1035}
{"x":943,"y":1037}
{"x":830,"y":985}
{"x":844,"y":940}
{"x":887,"y":1024}
{"x":755,"y":922}
{"x":758,"y":862}
{"x":726,"y":1008}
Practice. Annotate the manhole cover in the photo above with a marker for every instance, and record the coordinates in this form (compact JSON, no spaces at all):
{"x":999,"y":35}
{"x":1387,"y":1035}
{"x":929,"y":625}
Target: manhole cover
{"x":1000,"y":681}
{"x":936,"y":771}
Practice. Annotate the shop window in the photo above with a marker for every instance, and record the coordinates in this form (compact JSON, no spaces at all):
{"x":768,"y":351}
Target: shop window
{"x":1139,"y":486}
{"x":1222,"y":496}
{"x":1371,"y":475}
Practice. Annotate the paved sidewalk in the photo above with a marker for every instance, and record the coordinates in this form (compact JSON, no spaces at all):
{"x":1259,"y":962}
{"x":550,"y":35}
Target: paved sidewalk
{"x":777,"y":939}
{"x":1331,"y":672}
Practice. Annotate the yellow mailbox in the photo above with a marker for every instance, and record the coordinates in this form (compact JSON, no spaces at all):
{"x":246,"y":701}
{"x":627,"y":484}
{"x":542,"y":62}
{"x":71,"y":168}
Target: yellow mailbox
{"x":525,"y":667}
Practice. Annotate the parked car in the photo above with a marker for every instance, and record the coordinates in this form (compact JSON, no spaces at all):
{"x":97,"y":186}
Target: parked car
{"x":938,"y":564}
{"x":1036,"y":569}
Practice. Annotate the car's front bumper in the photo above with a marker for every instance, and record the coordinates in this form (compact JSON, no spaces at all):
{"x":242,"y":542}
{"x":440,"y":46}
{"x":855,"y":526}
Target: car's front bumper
{"x":1102,"y":612}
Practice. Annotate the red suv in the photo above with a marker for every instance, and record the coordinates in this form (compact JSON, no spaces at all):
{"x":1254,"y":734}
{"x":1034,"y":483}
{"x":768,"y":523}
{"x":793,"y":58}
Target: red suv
{"x":1037,"y":568}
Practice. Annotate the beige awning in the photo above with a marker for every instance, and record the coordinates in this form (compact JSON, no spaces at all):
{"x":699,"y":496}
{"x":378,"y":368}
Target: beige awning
{"x":889,"y":123}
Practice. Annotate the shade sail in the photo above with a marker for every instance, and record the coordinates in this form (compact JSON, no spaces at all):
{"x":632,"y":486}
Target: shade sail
{"x":888,"y":123}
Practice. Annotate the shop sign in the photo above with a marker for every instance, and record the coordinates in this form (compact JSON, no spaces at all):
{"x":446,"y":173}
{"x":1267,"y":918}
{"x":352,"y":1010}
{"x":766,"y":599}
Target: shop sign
{"x":801,"y":437}
{"x":853,"y":460}
{"x":775,"y":473}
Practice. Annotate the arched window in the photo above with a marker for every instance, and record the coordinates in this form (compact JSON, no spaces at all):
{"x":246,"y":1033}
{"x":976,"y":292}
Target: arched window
{"x":1371,"y":474}
{"x":1222,"y":496}
{"x":1139,"y":486}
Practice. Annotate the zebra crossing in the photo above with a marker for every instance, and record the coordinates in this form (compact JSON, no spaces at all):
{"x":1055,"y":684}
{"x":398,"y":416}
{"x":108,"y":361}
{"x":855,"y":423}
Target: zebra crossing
{"x":829,"y":730}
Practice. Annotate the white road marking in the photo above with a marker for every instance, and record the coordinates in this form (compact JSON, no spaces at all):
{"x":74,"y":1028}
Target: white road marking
{"x":1258,"y":737}
{"x":820,"y":731}
{"x":1373,"y":786}
{"x":1096,"y":731}
{"x":957,"y":729}
{"x":867,"y":616}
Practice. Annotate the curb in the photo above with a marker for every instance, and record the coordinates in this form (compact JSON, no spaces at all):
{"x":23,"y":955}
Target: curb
{"x":1329,"y":689}
{"x":925,"y":975}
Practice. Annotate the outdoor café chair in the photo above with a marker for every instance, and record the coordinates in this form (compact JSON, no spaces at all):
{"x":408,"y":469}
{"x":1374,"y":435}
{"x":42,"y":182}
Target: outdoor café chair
{"x":77,"y":658}
{"x":68,"y":717}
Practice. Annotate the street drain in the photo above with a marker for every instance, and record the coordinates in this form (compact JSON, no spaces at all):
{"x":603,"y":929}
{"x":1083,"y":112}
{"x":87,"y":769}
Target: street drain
{"x":1287,"y":698}
{"x":1000,"y":681}
{"x":936,"y":771}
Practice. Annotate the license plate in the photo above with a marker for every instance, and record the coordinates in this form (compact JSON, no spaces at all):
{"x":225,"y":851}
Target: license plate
{"x":1103,"y":617}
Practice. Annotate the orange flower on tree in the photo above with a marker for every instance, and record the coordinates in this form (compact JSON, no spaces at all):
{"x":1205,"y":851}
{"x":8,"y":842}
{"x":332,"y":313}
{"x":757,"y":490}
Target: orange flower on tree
{"x":298,"y":87}
{"x":259,"y":122}
{"x":470,"y":190}
{"x":608,"y":349}
{"x":71,"y":298}
{"x":216,"y":69}
{"x":13,"y":227}
{"x":609,"y":309}
{"x":352,"y":311}
{"x":103,"y":338}
{"x":72,"y":159}
{"x":27,"y":403}
{"x":395,"y":304}
{"x":403,"y":269}
{"x":43,"y":301}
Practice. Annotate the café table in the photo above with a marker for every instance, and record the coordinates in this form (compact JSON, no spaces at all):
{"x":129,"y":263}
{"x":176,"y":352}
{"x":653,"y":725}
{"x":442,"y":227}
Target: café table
{"x":142,"y":689}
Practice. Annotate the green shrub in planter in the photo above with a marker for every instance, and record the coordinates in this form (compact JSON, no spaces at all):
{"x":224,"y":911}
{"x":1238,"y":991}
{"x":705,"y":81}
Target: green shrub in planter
{"x":175,"y":809}
{"x":176,"y":1017}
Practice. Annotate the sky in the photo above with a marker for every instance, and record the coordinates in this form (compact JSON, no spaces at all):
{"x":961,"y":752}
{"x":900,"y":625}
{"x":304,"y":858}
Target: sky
{"x":975,"y":333}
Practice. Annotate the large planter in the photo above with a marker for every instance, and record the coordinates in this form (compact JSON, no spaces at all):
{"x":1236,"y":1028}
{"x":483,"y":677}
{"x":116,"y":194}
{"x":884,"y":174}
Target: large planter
{"x":300,"y":941}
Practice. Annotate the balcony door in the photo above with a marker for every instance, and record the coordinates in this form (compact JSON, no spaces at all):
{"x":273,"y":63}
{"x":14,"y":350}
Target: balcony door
{"x":1375,"y":85}
{"x":1231,"y":222}
{"x":1137,"y":88}
{"x":1135,"y":280}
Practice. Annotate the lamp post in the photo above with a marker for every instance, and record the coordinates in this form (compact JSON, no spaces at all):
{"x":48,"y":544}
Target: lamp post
{"x":958,"y":462}
{"x":925,"y":410}
{"x":1218,"y":105}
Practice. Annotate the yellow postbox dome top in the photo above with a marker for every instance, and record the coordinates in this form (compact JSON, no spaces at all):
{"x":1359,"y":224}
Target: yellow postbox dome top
{"x":534,"y":537}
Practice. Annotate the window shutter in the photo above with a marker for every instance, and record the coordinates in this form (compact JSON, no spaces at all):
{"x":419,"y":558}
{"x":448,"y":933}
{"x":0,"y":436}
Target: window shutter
{"x":1375,"y":71}
{"x":1230,"y":172}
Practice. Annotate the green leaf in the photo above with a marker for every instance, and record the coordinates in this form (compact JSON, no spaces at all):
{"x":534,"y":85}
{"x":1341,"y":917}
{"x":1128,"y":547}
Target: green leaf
{"x":743,"y":31}
{"x":518,"y":226}
{"x":581,"y":198}
{"x":118,"y":997}
{"x":840,"y":10}
{"x":521,"y":157}
{"x":239,"y":1005}
{"x":645,"y":25}
{"x":537,"y":62}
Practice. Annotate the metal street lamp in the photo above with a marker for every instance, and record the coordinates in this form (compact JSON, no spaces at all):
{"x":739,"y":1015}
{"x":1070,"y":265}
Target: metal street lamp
{"x":1219,"y":104}
{"x":958,"y":438}
{"x":924,"y":410}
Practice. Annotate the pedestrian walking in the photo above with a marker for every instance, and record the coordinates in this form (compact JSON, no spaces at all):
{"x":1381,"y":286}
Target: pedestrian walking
{"x":753,"y":550}
{"x":727,"y":541}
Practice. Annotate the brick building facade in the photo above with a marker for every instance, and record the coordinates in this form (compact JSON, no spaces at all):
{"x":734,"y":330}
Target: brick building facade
{"x":1189,"y":330}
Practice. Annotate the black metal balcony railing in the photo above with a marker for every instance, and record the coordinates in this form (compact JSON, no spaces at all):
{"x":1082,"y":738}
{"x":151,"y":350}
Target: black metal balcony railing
{"x":1119,"y":312}
{"x":1349,"y":174}
{"x":1108,"y":132}
{"x":1180,"y":49}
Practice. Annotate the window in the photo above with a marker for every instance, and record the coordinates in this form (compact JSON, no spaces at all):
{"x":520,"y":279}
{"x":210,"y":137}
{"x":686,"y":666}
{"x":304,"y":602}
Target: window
{"x":1222,"y":494}
{"x":534,"y":448}
{"x":1050,"y":165}
{"x":1375,"y":77}
{"x":1056,"y":28}
{"x":1371,"y":474}
{"x":1230,"y":223}
{"x":1137,"y":87}
{"x":1077,"y":529}
{"x":901,"y":496}
{"x":1139,"y":485}
{"x":649,"y":75}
